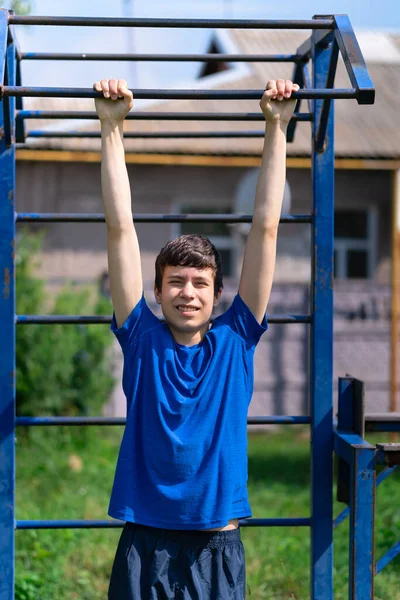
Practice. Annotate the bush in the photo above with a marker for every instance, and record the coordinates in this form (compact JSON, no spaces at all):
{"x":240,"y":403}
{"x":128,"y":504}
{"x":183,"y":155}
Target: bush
{"x":61,"y":369}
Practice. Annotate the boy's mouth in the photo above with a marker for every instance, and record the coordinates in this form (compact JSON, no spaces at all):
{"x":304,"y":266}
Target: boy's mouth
{"x":185,"y":308}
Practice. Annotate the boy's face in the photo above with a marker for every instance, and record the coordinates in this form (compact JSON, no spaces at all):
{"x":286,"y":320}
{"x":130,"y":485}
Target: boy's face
{"x":187,"y":300}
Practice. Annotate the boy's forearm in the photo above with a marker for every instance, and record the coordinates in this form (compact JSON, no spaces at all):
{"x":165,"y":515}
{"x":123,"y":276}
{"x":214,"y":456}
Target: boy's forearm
{"x":114,"y":177}
{"x":271,"y":180}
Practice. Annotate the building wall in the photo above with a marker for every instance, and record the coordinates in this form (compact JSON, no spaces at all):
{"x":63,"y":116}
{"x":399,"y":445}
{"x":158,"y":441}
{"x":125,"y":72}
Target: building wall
{"x":77,"y":252}
{"x":354,"y":189}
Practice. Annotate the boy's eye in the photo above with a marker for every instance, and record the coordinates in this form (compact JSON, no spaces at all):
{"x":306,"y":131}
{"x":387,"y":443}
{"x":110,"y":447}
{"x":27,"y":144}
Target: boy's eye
{"x":195,"y":283}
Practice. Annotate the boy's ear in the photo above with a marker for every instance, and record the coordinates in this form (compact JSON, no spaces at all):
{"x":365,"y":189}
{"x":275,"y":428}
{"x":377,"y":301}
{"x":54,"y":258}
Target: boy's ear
{"x":157,"y":295}
{"x":217,"y":297}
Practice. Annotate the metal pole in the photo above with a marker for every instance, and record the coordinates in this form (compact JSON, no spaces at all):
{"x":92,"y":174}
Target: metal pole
{"x":131,"y":135}
{"x":153,"y":116}
{"x":94,"y":421}
{"x":32,"y":217}
{"x":85,"y":57}
{"x":395,"y":295}
{"x":163,"y":94}
{"x":362,"y":511}
{"x":91,"y":320}
{"x":7,"y":334}
{"x":176,"y":23}
{"x":61,"y":524}
{"x":321,"y":384}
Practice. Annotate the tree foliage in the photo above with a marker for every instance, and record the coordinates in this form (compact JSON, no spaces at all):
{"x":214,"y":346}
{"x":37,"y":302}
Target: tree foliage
{"x":21,"y":7}
{"x":61,"y":369}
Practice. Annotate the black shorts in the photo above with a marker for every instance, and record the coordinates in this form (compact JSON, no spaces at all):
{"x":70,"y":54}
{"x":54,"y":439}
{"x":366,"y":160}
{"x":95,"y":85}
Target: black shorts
{"x":160,"y":564}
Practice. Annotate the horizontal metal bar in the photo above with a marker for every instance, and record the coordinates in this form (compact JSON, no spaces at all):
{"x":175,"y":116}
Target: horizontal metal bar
{"x":153,"y":116}
{"x":386,"y":417}
{"x":68,"y":421}
{"x":103,"y":319}
{"x":149,"y":135}
{"x":279,"y":420}
{"x":387,"y":558}
{"x":345,"y":444}
{"x":382,"y":422}
{"x":383,"y":426}
{"x":288,"y":522}
{"x":151,"y":218}
{"x":388,"y":454}
{"x":62,"y":320}
{"x":70,"y":524}
{"x":80,"y":524}
{"x":154,"y":94}
{"x":161,"y":57}
{"x":181,"y":23}
{"x":78,"y":421}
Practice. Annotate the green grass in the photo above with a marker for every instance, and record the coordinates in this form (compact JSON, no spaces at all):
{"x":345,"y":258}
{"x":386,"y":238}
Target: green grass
{"x":67,"y":474}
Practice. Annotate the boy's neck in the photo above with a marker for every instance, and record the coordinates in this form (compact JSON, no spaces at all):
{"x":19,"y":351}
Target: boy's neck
{"x":189,"y":338}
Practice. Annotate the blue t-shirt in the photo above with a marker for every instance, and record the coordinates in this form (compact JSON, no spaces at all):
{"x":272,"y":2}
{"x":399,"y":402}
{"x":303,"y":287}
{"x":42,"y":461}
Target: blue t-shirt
{"x":183,"y":457}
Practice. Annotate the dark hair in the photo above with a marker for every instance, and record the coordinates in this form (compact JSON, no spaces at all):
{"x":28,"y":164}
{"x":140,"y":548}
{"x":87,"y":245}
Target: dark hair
{"x":190,"y":251}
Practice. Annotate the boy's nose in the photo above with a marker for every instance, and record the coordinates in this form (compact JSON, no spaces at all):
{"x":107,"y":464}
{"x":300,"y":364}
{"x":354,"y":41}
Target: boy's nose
{"x":187,"y":291}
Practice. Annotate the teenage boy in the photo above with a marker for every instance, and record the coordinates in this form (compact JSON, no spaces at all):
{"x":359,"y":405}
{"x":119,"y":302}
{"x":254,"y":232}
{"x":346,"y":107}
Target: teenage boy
{"x":180,"y":482}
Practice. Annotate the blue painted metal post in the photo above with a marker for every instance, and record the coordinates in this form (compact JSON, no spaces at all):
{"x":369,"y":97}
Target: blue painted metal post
{"x":322,"y":345}
{"x":356,"y":485}
{"x":351,"y":418}
{"x":7,"y":336}
{"x":362,"y":509}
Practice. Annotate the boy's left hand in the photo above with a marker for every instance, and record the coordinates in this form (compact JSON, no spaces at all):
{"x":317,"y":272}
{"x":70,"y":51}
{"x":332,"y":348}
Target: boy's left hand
{"x":276,"y":102}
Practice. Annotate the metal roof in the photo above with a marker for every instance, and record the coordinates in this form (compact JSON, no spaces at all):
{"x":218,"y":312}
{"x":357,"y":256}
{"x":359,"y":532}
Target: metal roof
{"x":369,"y":131}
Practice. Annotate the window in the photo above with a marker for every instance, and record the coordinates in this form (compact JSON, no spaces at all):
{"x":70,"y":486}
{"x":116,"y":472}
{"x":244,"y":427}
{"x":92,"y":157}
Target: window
{"x":218,"y":233}
{"x":355,"y":243}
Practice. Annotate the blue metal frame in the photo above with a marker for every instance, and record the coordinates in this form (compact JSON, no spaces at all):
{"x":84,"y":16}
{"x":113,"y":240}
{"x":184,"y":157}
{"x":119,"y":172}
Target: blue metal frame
{"x":362,"y":508}
{"x":7,"y":328}
{"x":358,"y":481}
{"x":331,"y":35}
{"x":387,"y":558}
{"x":143,"y":115}
{"x":353,"y":60}
{"x":346,"y":512}
{"x":80,"y":524}
{"x":322,"y":342}
{"x":324,"y":23}
{"x":156,"y":94}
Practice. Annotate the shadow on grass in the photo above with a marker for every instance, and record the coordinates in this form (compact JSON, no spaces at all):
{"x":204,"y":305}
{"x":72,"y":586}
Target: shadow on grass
{"x":275,"y":459}
{"x":273,"y":468}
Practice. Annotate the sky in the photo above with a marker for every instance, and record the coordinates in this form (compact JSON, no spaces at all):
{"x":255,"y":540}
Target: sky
{"x":364,"y":14}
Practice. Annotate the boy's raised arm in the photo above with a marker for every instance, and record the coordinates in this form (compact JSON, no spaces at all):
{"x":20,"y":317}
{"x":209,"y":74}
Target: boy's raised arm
{"x":260,"y":252}
{"x":123,"y":248}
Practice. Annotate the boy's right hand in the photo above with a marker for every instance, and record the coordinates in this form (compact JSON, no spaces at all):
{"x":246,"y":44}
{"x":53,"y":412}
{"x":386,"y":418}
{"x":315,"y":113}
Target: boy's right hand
{"x":117,"y":102}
